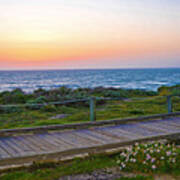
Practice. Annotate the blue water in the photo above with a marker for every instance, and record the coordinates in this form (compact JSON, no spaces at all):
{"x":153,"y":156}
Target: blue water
{"x":149,"y":79}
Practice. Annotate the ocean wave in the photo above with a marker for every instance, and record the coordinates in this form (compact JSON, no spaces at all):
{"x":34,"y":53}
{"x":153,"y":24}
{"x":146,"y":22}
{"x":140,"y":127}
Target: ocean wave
{"x":149,"y":79}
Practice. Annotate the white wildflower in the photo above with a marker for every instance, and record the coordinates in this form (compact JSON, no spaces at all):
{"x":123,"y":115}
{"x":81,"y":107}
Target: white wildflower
{"x":158,"y":151}
{"x":162,"y":158}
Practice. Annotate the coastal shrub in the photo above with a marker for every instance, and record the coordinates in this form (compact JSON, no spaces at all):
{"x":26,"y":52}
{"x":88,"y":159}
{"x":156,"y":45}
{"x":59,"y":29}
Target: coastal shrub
{"x":176,"y":92}
{"x":40,"y":92}
{"x":64,"y":90}
{"x":116,"y":94}
{"x":150,"y":157}
{"x":17,"y":96}
{"x":169,"y":90}
{"x":11,"y":109}
{"x":140,"y":92}
{"x":41,"y":96}
{"x":40,"y":99}
{"x":35,"y":104}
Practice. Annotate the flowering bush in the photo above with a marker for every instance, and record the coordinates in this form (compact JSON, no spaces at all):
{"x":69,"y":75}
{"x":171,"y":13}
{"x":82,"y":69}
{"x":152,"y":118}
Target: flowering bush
{"x":150,"y":157}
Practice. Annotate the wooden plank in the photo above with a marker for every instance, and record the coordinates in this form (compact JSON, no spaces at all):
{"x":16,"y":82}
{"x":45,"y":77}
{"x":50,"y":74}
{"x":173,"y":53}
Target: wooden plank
{"x":87,"y":138}
{"x":40,"y":141}
{"x":61,"y":140}
{"x":169,"y":127}
{"x":153,"y":127}
{"x":175,"y":119}
{"x":35,"y":143}
{"x":90,"y":137}
{"x":3,"y":153}
{"x":66,"y":140}
{"x":118,"y":133}
{"x":150,"y":131}
{"x":164,"y":127}
{"x":27,"y":149}
{"x":46,"y":141}
{"x":18,"y":148}
{"x":11,"y":151}
{"x":135,"y":129}
{"x":103,"y":138}
{"x":53,"y":140}
{"x":29,"y":144}
{"x":128,"y":134}
{"x":106,"y":131}
{"x":173,"y":123}
{"x":76,"y":140}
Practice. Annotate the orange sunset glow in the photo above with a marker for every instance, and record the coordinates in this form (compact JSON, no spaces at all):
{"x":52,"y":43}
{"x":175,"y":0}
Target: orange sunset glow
{"x":88,"y":34}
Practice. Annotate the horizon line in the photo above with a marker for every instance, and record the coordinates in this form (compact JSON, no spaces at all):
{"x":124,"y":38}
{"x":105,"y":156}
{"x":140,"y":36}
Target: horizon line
{"x":120,"y":68}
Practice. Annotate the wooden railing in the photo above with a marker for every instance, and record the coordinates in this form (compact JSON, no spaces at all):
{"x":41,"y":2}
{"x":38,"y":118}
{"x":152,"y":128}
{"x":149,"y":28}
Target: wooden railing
{"x":92,"y":103}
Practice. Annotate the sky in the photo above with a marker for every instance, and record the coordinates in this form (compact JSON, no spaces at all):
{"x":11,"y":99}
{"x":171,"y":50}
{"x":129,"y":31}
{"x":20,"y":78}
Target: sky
{"x":78,"y":34}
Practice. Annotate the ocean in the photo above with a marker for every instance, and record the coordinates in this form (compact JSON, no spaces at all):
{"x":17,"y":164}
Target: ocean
{"x":147,"y":79}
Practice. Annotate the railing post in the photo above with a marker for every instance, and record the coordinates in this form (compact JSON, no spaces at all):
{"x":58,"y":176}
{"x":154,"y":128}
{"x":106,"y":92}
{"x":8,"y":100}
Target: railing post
{"x":169,"y":103}
{"x":92,"y":109}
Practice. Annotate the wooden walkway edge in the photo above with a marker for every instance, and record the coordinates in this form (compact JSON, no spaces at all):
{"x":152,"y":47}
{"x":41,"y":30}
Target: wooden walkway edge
{"x":9,"y":132}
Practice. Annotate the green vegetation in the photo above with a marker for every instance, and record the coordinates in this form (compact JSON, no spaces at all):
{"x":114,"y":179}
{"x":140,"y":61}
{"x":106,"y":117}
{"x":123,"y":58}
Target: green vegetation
{"x":17,"y":96}
{"x":37,"y":115}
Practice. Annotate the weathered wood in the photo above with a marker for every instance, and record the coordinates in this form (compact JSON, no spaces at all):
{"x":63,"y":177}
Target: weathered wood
{"x":36,"y":143}
{"x":4,"y":153}
{"x":89,"y":138}
{"x":153,"y":128}
{"x":62,"y":141}
{"x":135,"y":129}
{"x":103,"y":138}
{"x":57,"y":144}
{"x":66,"y":140}
{"x":76,"y":140}
{"x":29,"y":144}
{"x":52,"y":140}
{"x":92,"y":109}
{"x":168,"y":127}
{"x":11,"y":151}
{"x":169,"y":104}
{"x":171,"y":123}
{"x":112,"y":134}
{"x":15,"y":145}
{"x":27,"y":149}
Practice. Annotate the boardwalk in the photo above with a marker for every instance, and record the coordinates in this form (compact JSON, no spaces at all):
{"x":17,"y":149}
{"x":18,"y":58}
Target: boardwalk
{"x":24,"y":148}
